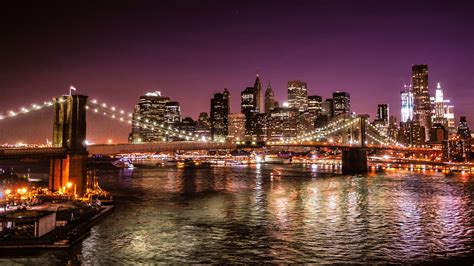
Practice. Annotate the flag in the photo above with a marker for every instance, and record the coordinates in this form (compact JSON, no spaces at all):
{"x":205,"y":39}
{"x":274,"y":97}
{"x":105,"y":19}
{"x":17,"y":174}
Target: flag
{"x":72,"y":88}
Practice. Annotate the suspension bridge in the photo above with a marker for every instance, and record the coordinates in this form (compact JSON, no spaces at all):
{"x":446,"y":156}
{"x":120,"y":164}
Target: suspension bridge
{"x":68,"y":151}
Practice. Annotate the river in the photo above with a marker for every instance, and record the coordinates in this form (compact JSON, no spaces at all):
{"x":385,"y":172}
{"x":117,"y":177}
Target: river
{"x":276,"y":214}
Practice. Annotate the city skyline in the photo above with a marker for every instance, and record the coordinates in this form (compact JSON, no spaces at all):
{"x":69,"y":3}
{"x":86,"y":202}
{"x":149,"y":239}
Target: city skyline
{"x":106,"y":57}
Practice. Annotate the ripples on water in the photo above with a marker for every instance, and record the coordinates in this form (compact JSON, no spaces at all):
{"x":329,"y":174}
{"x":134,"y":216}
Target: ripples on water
{"x":280,"y":213}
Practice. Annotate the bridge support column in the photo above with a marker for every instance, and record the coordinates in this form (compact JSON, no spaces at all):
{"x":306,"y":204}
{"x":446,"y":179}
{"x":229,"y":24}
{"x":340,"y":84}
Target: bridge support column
{"x":70,"y":133}
{"x":354,"y":160}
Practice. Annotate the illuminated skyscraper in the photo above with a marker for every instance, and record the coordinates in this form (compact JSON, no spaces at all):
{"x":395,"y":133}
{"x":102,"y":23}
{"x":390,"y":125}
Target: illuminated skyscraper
{"x":298,"y":95}
{"x":314,"y":108}
{"x":219,"y":115}
{"x":342,"y":103}
{"x":422,"y":105}
{"x":150,"y":110}
{"x":438,"y":106}
{"x":236,"y":127}
{"x":407,"y":104}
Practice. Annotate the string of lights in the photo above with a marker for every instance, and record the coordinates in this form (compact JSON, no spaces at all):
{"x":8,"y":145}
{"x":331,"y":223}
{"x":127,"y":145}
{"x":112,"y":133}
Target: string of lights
{"x":24,"y":110}
{"x":120,"y":115}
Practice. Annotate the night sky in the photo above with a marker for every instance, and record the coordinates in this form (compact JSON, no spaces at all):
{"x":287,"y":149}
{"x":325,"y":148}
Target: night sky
{"x":190,"y":50}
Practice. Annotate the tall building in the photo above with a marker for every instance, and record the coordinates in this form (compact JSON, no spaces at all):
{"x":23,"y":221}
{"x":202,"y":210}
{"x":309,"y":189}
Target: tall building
{"x":327,"y":113}
{"x":422,"y":105}
{"x":438,"y":107}
{"x":150,"y":110}
{"x":282,"y":124}
{"x":269,"y":99}
{"x":298,"y":95}
{"x":203,"y":125}
{"x":219,"y":115}
{"x":411,"y":133}
{"x":314,"y":108}
{"x":258,"y":90}
{"x":449,"y":116}
{"x":382,"y":118}
{"x":236,"y":127}
{"x":463,"y":129}
{"x":341,"y":102}
{"x":383,"y":113}
{"x":249,"y":100}
{"x":188,"y":125}
{"x":172,"y":113}
{"x":407,"y":104}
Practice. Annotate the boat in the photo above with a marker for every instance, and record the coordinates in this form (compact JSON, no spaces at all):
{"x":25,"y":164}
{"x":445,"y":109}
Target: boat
{"x":123,"y":163}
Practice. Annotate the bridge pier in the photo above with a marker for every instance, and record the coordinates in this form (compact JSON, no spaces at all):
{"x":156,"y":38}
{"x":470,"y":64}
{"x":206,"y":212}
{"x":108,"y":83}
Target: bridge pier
{"x":69,"y":132}
{"x":354,"y":160}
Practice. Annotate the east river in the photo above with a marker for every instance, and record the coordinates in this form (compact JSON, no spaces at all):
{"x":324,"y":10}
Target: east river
{"x":276,"y":214}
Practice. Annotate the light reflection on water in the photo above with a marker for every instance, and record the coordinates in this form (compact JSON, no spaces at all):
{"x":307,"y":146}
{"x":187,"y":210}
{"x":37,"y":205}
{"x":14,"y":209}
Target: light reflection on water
{"x":280,"y":213}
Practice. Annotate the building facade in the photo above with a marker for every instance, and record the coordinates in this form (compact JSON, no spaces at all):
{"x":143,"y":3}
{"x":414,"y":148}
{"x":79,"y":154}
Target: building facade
{"x":421,"y":96}
{"x":341,"y":103}
{"x":236,"y":127}
{"x":282,"y":124}
{"x":219,"y":115}
{"x":150,"y":111}
{"x":298,"y":95}
{"x":407,"y":104}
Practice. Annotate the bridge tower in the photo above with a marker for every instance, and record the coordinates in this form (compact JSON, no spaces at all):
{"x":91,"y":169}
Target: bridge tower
{"x":354,"y":159}
{"x":69,"y":132}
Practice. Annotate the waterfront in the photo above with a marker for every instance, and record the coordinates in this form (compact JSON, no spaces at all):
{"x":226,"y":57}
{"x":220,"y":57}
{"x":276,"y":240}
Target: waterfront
{"x":277,"y":213}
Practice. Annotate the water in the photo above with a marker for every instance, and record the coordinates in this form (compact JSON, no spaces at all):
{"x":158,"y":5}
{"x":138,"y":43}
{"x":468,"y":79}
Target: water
{"x":279,"y":213}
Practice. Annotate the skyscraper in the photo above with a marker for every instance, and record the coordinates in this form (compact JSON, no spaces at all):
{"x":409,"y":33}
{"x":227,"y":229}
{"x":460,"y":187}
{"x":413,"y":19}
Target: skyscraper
{"x":258,"y":90}
{"x":203,"y":125}
{"x":282,"y":124}
{"x":463,"y":129}
{"x":383,"y":113}
{"x":422,"y":105}
{"x":438,"y":106}
{"x":298,"y":95}
{"x":269,"y":99}
{"x":342,"y":103}
{"x":219,"y":115}
{"x":314,"y":108}
{"x":150,"y":110}
{"x":236,"y":127}
{"x":407,"y":104}
{"x":248,"y":103}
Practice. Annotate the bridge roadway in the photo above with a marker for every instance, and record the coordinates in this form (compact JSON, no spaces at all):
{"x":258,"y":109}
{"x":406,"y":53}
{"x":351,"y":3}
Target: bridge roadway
{"x":32,"y":153}
{"x":54,"y":152}
{"x":324,"y":144}
{"x":156,"y":147}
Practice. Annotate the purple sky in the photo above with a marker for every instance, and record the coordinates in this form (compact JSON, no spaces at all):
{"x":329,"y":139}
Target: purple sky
{"x":117,"y":52}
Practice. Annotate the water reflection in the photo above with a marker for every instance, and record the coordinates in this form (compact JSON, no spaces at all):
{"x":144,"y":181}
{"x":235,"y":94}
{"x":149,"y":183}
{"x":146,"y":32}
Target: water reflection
{"x":281,"y":213}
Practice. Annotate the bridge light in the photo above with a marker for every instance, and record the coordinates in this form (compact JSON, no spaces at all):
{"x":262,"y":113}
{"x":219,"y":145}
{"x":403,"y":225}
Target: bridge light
{"x":95,"y":110}
{"x":113,"y":108}
{"x":94,"y":101}
{"x":109,"y":141}
{"x":104,"y":105}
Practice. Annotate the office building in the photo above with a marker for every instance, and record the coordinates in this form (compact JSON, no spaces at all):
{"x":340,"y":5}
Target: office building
{"x":150,"y":111}
{"x":341,"y":103}
{"x":219,"y":115}
{"x":282,"y":124}
{"x":407,"y":104}
{"x":298,"y":95}
{"x":463,"y":129}
{"x":421,"y":96}
{"x":203,"y":126}
{"x":236,"y":128}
